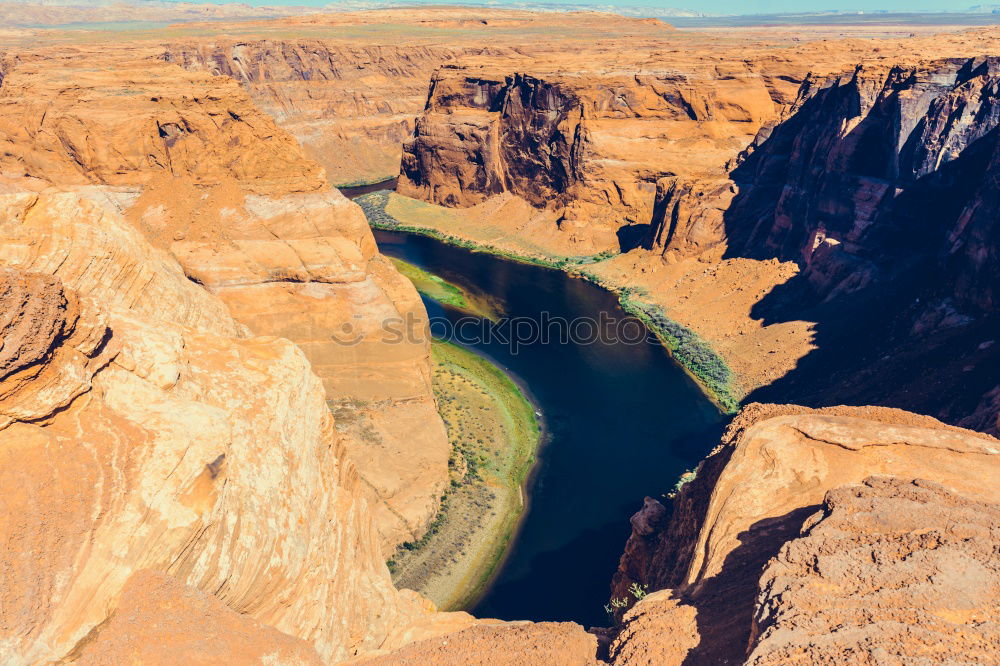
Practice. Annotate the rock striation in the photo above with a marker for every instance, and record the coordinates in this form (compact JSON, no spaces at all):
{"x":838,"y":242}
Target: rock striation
{"x":879,"y":184}
{"x":349,"y":85}
{"x":768,"y":201}
{"x":350,"y":105}
{"x":864,"y":168}
{"x":159,"y":455}
{"x":134,"y":442}
{"x":209,"y":179}
{"x":174,"y":268}
{"x":590,"y":148}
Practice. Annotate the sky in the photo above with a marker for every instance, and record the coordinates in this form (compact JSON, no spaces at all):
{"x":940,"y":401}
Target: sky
{"x":713,"y":7}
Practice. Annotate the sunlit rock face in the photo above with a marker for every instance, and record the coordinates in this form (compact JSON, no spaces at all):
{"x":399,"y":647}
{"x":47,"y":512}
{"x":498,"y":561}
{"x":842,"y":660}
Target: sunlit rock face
{"x":589,"y":147}
{"x":173,"y":267}
{"x":134,"y":441}
{"x":209,"y":179}
{"x":757,"y":492}
{"x":846,"y":588}
{"x":157,"y":235}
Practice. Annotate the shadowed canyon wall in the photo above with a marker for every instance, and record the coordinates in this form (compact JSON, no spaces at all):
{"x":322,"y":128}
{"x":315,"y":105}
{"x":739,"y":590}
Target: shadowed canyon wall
{"x":881,"y":184}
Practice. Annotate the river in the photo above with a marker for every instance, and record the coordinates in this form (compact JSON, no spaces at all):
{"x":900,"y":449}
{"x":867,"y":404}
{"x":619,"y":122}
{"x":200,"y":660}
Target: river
{"x":621,"y":421}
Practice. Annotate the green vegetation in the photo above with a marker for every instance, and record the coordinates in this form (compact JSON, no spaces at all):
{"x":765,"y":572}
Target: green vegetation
{"x":432,"y":286}
{"x":366,"y":181}
{"x":688,"y":349}
{"x":685,"y":478}
{"x":616,"y":606}
{"x":438,"y":289}
{"x":494,"y":436}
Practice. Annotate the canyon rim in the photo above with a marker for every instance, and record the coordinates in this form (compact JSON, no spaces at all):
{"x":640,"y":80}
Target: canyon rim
{"x":211,"y":453}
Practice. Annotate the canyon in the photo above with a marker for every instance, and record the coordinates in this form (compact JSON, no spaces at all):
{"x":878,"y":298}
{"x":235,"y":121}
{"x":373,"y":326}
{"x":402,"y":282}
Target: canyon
{"x":775,"y":244}
{"x":178,"y":274}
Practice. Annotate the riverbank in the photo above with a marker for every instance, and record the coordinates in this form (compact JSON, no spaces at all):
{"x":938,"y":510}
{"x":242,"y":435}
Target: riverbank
{"x":693,"y":353}
{"x":357,"y":188}
{"x":447,"y":293}
{"x":494,"y":436}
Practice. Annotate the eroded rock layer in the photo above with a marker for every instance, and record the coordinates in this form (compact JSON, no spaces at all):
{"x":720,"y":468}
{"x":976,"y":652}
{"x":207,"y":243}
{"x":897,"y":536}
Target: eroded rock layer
{"x":590,"y":148}
{"x":176,"y":487}
{"x":752,"y":495}
{"x":881,"y":185}
{"x":154,"y":451}
{"x":847,"y":246}
{"x":209,"y":179}
{"x":871,"y":174}
{"x":138,"y":443}
{"x":512,"y":644}
{"x":351,"y":106}
{"x":890,"y":570}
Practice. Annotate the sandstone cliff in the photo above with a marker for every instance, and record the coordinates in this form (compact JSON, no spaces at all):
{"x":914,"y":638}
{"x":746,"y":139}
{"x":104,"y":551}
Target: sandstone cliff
{"x":755,"y":493}
{"x":864,"y":168}
{"x":846,"y":247}
{"x":590,"y":148}
{"x":132,"y":441}
{"x":350,"y":106}
{"x":348,"y":85}
{"x":170,"y":469}
{"x":593,"y":134}
{"x":204,"y":175}
{"x":181,"y":491}
{"x":881,"y":185}
{"x":919,"y":543}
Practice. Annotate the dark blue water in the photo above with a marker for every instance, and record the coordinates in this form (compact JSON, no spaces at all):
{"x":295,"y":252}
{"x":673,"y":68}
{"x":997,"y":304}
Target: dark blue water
{"x":622,"y":422}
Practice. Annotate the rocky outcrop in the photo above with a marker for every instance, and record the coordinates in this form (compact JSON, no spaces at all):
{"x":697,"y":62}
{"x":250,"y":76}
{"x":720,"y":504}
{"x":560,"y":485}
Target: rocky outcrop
{"x":166,"y":461}
{"x":160,"y":621}
{"x":859,"y":197}
{"x":589,"y":147}
{"x":881,"y":172}
{"x":754,"y":493}
{"x":207,"y":178}
{"x":136,"y":443}
{"x":873,"y":174}
{"x":482,"y":136}
{"x":879,"y":184}
{"x":890,"y":570}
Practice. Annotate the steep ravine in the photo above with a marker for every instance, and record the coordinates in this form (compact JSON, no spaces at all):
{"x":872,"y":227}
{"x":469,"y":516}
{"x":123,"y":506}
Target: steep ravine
{"x":898,"y":163}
